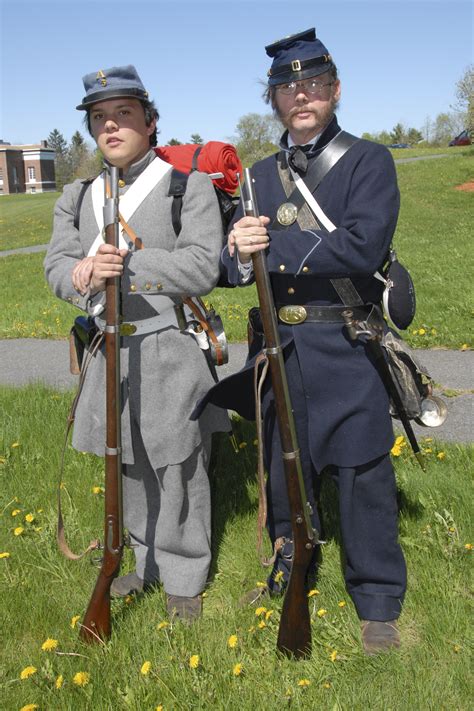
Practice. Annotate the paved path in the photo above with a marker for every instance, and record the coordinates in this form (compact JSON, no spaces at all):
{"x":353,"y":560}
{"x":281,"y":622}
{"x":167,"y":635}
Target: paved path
{"x":27,"y":360}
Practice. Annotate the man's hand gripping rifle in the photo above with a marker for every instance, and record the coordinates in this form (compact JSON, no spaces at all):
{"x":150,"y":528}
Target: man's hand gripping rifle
{"x":294,"y":636}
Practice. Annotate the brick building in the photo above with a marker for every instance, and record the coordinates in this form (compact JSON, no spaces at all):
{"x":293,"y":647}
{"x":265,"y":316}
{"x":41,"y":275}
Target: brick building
{"x":26,"y":169}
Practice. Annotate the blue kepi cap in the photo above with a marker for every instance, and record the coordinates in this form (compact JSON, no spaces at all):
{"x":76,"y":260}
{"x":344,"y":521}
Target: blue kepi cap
{"x":111,"y":84}
{"x":297,"y":57}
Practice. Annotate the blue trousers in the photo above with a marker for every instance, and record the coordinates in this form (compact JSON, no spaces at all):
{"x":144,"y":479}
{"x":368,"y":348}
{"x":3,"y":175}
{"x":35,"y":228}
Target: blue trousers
{"x":374,"y":567}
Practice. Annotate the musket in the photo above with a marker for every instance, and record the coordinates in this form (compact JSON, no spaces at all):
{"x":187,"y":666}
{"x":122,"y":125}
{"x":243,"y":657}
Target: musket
{"x":96,"y":625}
{"x":294,"y":634}
{"x":374,"y":335}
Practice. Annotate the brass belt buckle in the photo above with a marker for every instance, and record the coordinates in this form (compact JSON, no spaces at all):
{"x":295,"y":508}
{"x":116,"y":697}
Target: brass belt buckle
{"x":127,"y":329}
{"x":292,"y":314}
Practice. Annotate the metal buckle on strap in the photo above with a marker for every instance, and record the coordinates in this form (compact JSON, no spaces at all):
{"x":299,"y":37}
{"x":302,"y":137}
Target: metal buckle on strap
{"x":127,"y":329}
{"x":292,"y":314}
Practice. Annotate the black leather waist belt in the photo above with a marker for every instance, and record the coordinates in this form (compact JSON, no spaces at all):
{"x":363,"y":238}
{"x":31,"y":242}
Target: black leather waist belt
{"x":293,"y":315}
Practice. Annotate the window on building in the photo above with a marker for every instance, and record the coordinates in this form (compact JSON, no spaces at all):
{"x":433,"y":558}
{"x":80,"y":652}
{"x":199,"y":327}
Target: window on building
{"x":31,"y":173}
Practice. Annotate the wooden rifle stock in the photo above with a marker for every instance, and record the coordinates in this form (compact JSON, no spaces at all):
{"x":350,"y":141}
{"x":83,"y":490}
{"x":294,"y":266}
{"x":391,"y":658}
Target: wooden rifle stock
{"x":96,"y":625}
{"x":294,"y":635}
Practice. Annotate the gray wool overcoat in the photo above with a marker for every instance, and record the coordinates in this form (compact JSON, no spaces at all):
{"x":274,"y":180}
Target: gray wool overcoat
{"x":163,"y":373}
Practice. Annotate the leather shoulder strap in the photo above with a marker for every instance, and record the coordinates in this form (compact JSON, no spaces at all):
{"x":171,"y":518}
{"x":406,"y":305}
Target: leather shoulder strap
{"x":178,"y":185}
{"x":77,"y":211}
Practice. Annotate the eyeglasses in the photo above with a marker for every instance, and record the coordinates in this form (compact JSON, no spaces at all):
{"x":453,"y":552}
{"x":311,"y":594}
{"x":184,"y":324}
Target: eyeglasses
{"x":310,"y":86}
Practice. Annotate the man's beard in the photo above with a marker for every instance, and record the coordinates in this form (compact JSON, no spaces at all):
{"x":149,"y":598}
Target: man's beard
{"x":323,"y":115}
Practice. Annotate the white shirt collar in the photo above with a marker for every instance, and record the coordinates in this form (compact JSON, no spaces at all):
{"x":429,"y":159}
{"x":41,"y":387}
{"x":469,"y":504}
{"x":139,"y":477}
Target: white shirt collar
{"x":312,"y":142}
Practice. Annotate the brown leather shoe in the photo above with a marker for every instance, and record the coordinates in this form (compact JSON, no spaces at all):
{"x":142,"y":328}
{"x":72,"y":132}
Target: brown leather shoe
{"x":186,"y":609}
{"x":126,"y":585}
{"x":379,"y":636}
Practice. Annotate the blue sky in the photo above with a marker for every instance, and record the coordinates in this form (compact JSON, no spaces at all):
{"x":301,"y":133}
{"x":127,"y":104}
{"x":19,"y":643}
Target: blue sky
{"x":202,"y":61}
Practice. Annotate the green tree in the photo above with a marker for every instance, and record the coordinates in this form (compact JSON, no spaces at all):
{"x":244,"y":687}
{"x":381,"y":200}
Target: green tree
{"x":196,"y":138}
{"x":78,"y":151}
{"x":398,"y":134}
{"x":174,"y":142}
{"x":62,"y":159}
{"x":465,"y":97}
{"x":414,"y":136}
{"x":256,"y":137}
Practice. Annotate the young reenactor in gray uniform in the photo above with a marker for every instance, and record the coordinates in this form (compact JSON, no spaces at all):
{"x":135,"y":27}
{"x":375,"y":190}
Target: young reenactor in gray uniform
{"x":165,"y":454}
{"x":340,"y":404}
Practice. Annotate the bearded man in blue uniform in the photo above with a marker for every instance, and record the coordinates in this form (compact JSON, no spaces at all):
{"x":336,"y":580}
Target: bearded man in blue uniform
{"x":323,"y":257}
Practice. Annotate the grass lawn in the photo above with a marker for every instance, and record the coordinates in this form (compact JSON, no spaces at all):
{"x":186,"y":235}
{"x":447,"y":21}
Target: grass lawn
{"x":147,"y":662}
{"x":26,"y":220}
{"x":432,"y":239}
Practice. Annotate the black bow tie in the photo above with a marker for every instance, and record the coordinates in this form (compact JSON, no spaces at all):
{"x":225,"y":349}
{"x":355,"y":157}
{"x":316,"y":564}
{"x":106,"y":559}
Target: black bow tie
{"x":298,"y":157}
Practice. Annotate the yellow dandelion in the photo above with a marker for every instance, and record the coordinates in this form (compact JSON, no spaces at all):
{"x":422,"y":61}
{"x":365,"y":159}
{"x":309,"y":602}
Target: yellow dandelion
{"x":341,"y":603}
{"x":160,"y":707}
{"x":49,"y":644}
{"x":268,"y":614}
{"x":452,"y":529}
{"x":29,"y":707}
{"x":128,"y":599}
{"x":162,"y":625}
{"x":97,"y":489}
{"x":81,"y":678}
{"x":259,"y":584}
{"x":233,"y":641}
{"x":333,"y":655}
{"x":251,"y":629}
{"x":427,"y":439}
{"x":468,"y":546}
{"x":260,"y":611}
{"x":421,"y":331}
{"x":278,"y":577}
{"x":321,"y":612}
{"x":145,"y":668}
{"x":396,"y":450}
{"x":326,"y":685}
{"x":313,"y":592}
{"x":5,"y":554}
{"x":255,"y":442}
{"x":59,"y":681}
{"x":242,"y":445}
{"x":18,"y":531}
{"x":304,"y":682}
{"x":441,"y":455}
{"x":261,"y":625}
{"x":464,"y":347}
{"x":74,"y":620}
{"x":434,"y":331}
{"x":237,"y":670}
{"x":29,"y":518}
{"x":194,"y":661}
{"x":15,"y":445}
{"x":15,"y":512}
{"x":27,"y":672}
{"x":400,"y":440}
{"x":457,"y":648}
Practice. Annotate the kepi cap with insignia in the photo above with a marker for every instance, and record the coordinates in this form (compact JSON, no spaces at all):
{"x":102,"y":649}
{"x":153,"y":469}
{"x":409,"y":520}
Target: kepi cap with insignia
{"x":112,"y":83}
{"x":297,"y":57}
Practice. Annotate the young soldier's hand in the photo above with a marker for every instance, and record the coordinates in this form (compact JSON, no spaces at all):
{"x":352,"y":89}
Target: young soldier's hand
{"x":106,"y":264}
{"x":81,"y":275}
{"x":248,"y":235}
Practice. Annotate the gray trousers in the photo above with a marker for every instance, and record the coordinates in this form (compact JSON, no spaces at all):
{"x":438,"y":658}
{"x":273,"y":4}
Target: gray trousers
{"x":167,"y":512}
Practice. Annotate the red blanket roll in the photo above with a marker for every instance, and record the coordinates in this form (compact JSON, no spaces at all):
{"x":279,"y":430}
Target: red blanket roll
{"x":214,"y":157}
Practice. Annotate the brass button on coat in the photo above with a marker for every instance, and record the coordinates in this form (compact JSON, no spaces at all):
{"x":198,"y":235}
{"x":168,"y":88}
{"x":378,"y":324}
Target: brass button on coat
{"x":282,"y":267}
{"x":159,"y":287}
{"x":148,"y":286}
{"x":133,"y":287}
{"x":291,"y":290}
{"x":306,"y":269}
